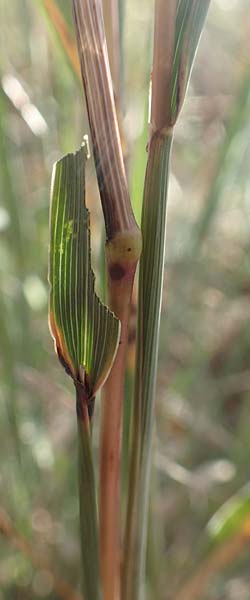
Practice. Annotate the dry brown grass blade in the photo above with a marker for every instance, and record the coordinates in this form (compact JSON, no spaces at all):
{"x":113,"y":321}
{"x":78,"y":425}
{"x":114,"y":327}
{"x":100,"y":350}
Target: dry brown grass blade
{"x":222,"y":557}
{"x":60,"y":587}
{"x":62,"y":30}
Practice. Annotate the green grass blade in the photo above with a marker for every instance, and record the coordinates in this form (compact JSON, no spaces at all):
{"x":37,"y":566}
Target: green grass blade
{"x":183,"y":21}
{"x":86,"y":333}
{"x":190,"y":17}
{"x":178,"y":26}
{"x":151,"y":279}
{"x":230,"y":517}
{"x":150,"y":293}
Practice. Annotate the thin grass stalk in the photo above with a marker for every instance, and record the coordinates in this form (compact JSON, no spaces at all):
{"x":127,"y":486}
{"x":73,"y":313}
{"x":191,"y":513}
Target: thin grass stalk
{"x":150,"y":296}
{"x":99,"y":95}
{"x":87,"y":502}
{"x":111,"y":442}
{"x":122,"y":252}
{"x":178,"y":26}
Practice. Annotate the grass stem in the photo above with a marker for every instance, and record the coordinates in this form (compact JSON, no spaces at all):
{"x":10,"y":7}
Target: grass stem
{"x":87,"y":502}
{"x":120,"y":285}
{"x":150,"y":295}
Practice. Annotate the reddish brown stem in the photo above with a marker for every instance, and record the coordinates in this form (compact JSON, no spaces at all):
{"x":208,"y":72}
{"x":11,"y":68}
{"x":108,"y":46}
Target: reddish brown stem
{"x":120,"y":285}
{"x":103,"y":122}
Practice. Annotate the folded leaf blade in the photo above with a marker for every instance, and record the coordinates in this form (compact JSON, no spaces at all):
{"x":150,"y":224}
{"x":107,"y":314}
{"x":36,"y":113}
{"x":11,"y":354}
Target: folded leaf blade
{"x":86,"y":333}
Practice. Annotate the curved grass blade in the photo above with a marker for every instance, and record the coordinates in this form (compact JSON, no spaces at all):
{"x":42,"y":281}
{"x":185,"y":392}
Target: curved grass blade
{"x":86,"y":333}
{"x":230,"y":517}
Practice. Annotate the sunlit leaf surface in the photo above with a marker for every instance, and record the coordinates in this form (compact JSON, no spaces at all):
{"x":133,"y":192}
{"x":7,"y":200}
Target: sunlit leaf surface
{"x":86,"y":333}
{"x":231,"y":516}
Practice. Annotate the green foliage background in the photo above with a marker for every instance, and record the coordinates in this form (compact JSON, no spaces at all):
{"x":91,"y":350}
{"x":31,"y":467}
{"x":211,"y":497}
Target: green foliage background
{"x":202,"y":442}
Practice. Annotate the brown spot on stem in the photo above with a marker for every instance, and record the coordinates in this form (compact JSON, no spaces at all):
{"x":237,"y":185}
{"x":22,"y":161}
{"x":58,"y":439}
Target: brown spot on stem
{"x":116,"y":271}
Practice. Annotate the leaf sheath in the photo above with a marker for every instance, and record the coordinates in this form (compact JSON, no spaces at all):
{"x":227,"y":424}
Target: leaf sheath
{"x":150,"y":295}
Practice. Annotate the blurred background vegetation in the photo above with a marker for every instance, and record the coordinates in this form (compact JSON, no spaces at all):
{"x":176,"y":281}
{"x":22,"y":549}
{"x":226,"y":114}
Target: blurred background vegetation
{"x":202,"y":442}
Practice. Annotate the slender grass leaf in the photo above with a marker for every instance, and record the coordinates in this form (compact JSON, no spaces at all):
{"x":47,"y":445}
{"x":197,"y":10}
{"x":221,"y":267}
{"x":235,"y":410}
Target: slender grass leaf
{"x":178,"y":26}
{"x":231,"y":516}
{"x":190,"y":17}
{"x":86,"y":333}
{"x":61,"y":33}
{"x":150,"y":293}
{"x":184,"y":19}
